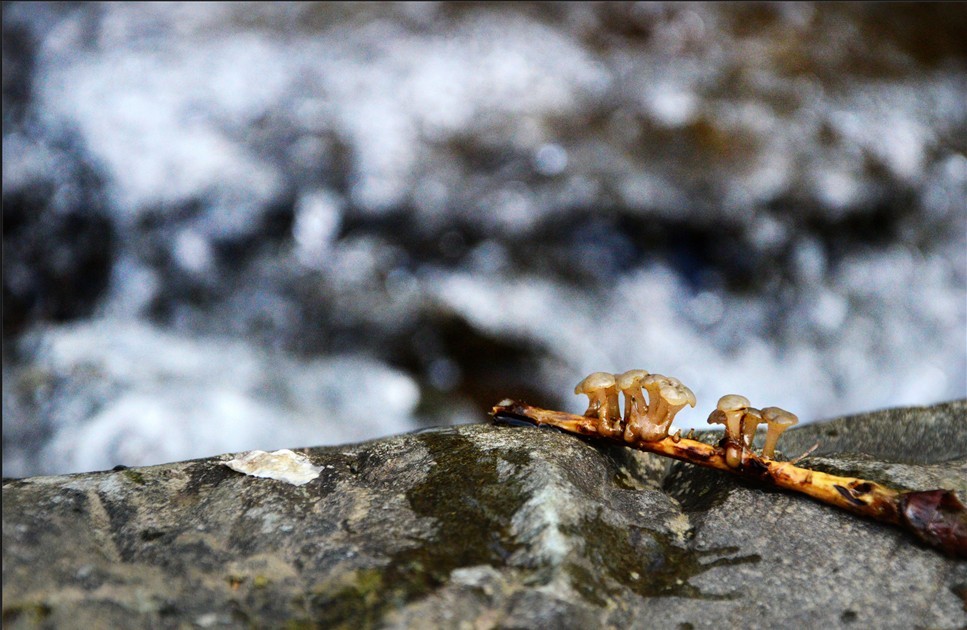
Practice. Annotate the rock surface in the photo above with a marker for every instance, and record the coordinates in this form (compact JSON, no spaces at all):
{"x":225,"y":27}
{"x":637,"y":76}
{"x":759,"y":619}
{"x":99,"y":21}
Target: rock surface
{"x":481,"y":526}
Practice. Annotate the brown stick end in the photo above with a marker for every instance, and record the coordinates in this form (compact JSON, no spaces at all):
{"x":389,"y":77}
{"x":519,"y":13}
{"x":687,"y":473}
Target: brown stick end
{"x":938,"y":518}
{"x":512,"y":413}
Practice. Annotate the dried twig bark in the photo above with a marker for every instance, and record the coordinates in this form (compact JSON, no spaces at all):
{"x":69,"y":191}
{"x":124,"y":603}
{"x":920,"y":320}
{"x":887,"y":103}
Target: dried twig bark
{"x":937,"y":517}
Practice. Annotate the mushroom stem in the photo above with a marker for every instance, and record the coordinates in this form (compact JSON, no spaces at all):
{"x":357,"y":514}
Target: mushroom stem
{"x":772,"y":437}
{"x":630,"y":385}
{"x":666,"y":397}
{"x":937,"y":516}
{"x":734,"y":407}
{"x":778,"y":420}
{"x":642,"y":424}
{"x":750,"y":422}
{"x":734,"y":427}
{"x":632,"y":404}
{"x":611,"y":412}
{"x":666,"y":421}
{"x":733,"y":454}
{"x":655,"y":403}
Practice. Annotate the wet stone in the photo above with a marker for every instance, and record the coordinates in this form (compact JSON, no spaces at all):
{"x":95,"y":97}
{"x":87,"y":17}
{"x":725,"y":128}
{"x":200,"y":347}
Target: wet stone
{"x":487,"y":526}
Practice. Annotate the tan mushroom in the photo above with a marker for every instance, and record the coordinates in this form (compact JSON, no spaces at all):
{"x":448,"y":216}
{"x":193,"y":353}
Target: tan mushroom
{"x":733,"y":406}
{"x":629,"y":384}
{"x":730,"y":411}
{"x":638,"y":425}
{"x":750,"y":422}
{"x":778,"y":420}
{"x":666,"y":397}
{"x":602,"y":395}
{"x":733,"y":454}
{"x":675,"y":396}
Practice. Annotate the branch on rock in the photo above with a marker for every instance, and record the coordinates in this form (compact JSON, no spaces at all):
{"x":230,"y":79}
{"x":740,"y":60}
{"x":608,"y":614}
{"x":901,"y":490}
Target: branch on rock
{"x":937,"y":517}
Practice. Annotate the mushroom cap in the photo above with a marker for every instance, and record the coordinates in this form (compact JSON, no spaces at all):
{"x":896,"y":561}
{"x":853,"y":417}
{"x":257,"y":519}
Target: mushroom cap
{"x":630,"y":378}
{"x":733,"y":402}
{"x":755,"y":413}
{"x":594,"y":382}
{"x":775,"y":415}
{"x":717,"y":417}
{"x":675,"y":393}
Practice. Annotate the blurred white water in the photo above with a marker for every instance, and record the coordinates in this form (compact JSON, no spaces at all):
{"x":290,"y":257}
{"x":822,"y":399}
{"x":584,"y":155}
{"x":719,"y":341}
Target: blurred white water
{"x":647,"y":320}
{"x":122,"y":391}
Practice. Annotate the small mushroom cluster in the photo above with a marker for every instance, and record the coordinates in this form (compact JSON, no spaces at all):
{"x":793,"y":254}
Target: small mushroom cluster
{"x":937,"y":517}
{"x":648,"y":421}
{"x":741,"y":420}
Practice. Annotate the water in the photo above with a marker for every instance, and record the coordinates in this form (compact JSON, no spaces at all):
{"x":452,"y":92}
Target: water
{"x":470,"y":203}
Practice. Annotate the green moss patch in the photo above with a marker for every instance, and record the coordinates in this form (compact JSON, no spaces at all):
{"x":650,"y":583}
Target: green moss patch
{"x":472,"y":508}
{"x":642,"y":561}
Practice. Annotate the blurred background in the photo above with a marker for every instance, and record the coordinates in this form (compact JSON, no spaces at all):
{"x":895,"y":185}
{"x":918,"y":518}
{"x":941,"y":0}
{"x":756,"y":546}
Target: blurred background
{"x":235,"y":226}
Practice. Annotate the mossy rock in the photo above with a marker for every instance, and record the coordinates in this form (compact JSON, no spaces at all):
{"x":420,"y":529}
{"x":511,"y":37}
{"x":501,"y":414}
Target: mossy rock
{"x":485,"y":526}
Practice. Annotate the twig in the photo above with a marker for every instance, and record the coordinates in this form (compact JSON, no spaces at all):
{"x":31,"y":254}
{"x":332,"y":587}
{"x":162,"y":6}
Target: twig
{"x":804,"y":455}
{"x":936,"y":516}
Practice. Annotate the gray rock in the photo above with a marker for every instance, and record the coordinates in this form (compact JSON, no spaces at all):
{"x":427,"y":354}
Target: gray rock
{"x":482,"y":526}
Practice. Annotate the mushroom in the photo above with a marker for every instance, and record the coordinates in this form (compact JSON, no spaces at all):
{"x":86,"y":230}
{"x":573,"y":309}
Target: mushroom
{"x":675,"y":396}
{"x":718,"y":417}
{"x":733,"y":454}
{"x":676,"y":437}
{"x":666,"y":397}
{"x":750,"y":422}
{"x":778,"y":420}
{"x":629,"y":384}
{"x":730,"y":411}
{"x":602,"y":395}
{"x":935,"y":516}
{"x":733,"y":406}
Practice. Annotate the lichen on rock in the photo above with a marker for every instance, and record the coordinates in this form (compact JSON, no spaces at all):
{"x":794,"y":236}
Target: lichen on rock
{"x":283,"y":465}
